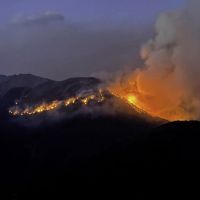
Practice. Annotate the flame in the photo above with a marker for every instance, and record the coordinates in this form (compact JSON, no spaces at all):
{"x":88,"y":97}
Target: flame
{"x":70,"y":101}
{"x":132,"y":99}
{"x":142,"y":93}
{"x":158,"y":97}
{"x":44,"y":107}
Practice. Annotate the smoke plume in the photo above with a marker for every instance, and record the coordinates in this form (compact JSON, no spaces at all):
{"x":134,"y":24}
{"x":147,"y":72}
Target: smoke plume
{"x":168,"y":85}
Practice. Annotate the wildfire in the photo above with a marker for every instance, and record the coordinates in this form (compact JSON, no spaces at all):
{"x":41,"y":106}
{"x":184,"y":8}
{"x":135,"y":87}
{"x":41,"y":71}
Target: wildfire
{"x":152,"y":96}
{"x":143,"y":95}
{"x":132,"y":99}
{"x":44,"y":107}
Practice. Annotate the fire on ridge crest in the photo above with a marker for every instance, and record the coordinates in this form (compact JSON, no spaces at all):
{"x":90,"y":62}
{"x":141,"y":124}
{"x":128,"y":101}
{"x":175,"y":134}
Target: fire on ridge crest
{"x":45,"y":107}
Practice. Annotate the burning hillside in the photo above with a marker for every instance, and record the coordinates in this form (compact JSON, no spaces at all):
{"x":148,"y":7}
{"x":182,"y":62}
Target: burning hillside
{"x":97,"y":98}
{"x":84,"y":100}
{"x":168,"y":84}
{"x":124,"y":96}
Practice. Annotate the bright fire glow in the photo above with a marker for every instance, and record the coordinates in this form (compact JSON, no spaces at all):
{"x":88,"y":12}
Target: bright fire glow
{"x":132,"y":100}
{"x":44,"y":107}
{"x":159,"y":98}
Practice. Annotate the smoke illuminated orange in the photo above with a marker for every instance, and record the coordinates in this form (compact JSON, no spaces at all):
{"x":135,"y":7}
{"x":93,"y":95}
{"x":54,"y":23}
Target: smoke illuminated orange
{"x":158,"y":97}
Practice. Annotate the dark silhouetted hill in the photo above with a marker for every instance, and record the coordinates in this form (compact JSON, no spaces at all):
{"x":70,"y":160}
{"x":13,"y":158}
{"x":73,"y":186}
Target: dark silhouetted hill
{"x":21,"y":80}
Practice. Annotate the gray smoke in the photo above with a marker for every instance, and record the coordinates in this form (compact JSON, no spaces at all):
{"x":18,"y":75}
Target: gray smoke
{"x":172,"y":62}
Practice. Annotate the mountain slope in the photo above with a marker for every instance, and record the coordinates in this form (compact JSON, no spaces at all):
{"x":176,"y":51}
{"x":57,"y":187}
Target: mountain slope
{"x":2,"y":78}
{"x":21,"y":80}
{"x":91,"y":98}
{"x":58,"y":90}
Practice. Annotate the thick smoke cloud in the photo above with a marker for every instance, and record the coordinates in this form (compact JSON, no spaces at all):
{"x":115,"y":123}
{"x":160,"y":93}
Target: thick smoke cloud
{"x":173,"y":62}
{"x":168,"y":85}
{"x":49,"y":45}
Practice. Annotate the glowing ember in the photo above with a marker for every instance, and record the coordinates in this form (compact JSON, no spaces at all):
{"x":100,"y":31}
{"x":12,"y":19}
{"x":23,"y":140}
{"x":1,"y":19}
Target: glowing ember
{"x":70,"y":101}
{"x":44,"y":107}
{"x":132,"y":100}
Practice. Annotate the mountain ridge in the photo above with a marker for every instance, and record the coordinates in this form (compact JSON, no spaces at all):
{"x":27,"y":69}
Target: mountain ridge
{"x":20,"y":80}
{"x":29,"y":94}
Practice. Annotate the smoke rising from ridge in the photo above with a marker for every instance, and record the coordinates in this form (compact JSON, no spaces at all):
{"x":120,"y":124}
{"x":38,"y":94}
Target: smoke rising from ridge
{"x":168,"y":85}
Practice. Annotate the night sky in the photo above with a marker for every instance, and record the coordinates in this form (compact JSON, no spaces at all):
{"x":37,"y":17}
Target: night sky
{"x":65,"y":38}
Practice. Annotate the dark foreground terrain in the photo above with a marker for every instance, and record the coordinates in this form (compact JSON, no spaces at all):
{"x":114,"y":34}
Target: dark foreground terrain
{"x":84,"y":152}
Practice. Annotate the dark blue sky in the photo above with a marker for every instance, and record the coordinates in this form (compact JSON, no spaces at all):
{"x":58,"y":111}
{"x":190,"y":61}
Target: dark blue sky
{"x":95,"y":11}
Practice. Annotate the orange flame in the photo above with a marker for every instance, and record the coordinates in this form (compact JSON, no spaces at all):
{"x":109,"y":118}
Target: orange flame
{"x":44,"y":107}
{"x":159,"y":97}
